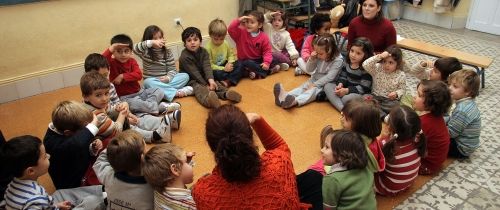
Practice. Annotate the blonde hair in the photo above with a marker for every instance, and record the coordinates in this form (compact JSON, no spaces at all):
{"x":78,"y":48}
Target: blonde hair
{"x":217,"y":28}
{"x":125,"y":151}
{"x":71,"y":115}
{"x":156,"y":165}
{"x":468,"y":79}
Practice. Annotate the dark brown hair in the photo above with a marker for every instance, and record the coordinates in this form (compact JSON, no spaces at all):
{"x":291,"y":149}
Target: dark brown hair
{"x":366,"y":46}
{"x":327,"y":41}
{"x":92,"y":81}
{"x":396,"y":54}
{"x":379,"y":15}
{"x":284,"y":17}
{"x":437,"y":96}
{"x":447,"y":66}
{"x":317,"y":22}
{"x":149,"y":33}
{"x":364,"y":117}
{"x":349,"y":149}
{"x":404,"y":124}
{"x":95,"y":61}
{"x":259,"y":16}
{"x":230,"y":138}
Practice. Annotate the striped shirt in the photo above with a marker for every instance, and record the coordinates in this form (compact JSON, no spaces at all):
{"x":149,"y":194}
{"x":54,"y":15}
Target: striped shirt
{"x":401,"y":172}
{"x":175,"y":199}
{"x":163,"y":63}
{"x":27,"y":194}
{"x":113,"y":96}
{"x":356,"y":80}
{"x":464,"y":125}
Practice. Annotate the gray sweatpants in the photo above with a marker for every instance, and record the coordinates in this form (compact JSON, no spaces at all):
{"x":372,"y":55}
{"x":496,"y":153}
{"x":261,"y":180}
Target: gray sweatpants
{"x":337,"y":101}
{"x":144,"y":101}
{"x":84,"y":198}
{"x":147,"y":124}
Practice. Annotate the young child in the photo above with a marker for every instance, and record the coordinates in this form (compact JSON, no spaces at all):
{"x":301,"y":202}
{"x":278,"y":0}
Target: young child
{"x":158,"y":65}
{"x":70,"y":138}
{"x":353,"y":80}
{"x":168,"y":169}
{"x":253,"y":47}
{"x":222,"y":59}
{"x":389,"y":82}
{"x":195,"y":61}
{"x":125,"y":74}
{"x":25,"y":157}
{"x":432,"y":70}
{"x":432,"y":102}
{"x":153,"y":128}
{"x":119,"y":169}
{"x":403,"y":151}
{"x":348,"y":184}
{"x":323,"y":65}
{"x":284,"y":52}
{"x":320,"y":25}
{"x":464,"y":124}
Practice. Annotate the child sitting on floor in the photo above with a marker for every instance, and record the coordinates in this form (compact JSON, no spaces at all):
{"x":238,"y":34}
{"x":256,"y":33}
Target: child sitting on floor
{"x":168,"y":169}
{"x":195,"y":61}
{"x":432,"y":102}
{"x":284,"y":52}
{"x":403,"y":150}
{"x":464,"y":124}
{"x":324,"y":65}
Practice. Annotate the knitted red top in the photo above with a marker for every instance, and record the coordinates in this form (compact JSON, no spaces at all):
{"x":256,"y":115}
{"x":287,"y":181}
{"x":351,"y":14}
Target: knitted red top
{"x":274,"y":188}
{"x":438,"y":142}
{"x":381,"y":33}
{"x":132,"y":74}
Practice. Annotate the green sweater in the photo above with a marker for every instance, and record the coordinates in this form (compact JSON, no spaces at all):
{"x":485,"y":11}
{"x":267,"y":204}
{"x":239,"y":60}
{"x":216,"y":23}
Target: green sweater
{"x":220,"y":55}
{"x":348,"y":189}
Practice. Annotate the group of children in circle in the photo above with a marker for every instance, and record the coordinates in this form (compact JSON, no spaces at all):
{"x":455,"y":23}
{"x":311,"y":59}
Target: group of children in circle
{"x":365,"y":87}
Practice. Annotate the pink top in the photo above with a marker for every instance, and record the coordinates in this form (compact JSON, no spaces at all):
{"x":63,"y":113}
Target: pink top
{"x":249,"y":47}
{"x":307,"y":48}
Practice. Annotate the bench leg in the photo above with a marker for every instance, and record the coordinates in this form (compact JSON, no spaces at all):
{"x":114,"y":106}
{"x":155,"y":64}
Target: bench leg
{"x":480,"y":72}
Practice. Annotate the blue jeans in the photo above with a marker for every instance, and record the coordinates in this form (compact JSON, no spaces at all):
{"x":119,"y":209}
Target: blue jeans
{"x":254,"y":66}
{"x":233,"y":76}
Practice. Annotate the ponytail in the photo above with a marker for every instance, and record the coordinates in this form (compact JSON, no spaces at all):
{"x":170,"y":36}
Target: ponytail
{"x":421,"y":144}
{"x":389,"y":148}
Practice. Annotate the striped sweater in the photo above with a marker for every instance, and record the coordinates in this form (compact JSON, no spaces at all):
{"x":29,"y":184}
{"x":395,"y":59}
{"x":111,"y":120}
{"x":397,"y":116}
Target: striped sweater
{"x":174,"y":198}
{"x":27,"y":194}
{"x":156,"y":62}
{"x":401,"y":172}
{"x":356,"y":80}
{"x":464,"y":125}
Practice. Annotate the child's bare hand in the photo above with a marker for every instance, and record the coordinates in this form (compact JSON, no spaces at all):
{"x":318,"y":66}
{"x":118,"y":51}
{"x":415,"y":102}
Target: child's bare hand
{"x":392,"y":95}
{"x":341,"y":92}
{"x":96,"y":145}
{"x":118,"y":80}
{"x":65,"y":205}
{"x":189,"y":156}
{"x":113,"y":47}
{"x":95,"y":120}
{"x":273,"y":14}
{"x":385,"y":54}
{"x":339,"y":86}
{"x":158,"y":43}
{"x":124,"y":112}
{"x":212,"y":85}
{"x":314,"y":54}
{"x":244,"y":18}
{"x":132,"y":119}
{"x":228,"y":67}
{"x":294,"y":62}
{"x":264,"y":66}
{"x":252,"y":117}
{"x":428,"y":64}
{"x":121,"y":106}
{"x":164,"y":79}
{"x":311,"y":85}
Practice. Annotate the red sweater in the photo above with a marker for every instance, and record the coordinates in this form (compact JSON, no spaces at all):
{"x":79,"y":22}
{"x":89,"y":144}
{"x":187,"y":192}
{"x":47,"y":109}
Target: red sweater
{"x":382,"y":34}
{"x":249,"y":47}
{"x":274,"y":188}
{"x":132,"y":74}
{"x":438,"y":141}
{"x":401,"y":172}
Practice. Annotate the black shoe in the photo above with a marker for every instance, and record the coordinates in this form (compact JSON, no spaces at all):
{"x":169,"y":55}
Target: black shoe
{"x":321,"y":96}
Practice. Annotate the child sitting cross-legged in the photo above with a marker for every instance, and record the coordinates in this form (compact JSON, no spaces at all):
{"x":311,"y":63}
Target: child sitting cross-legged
{"x":195,"y":61}
{"x":119,"y":169}
{"x":168,"y":168}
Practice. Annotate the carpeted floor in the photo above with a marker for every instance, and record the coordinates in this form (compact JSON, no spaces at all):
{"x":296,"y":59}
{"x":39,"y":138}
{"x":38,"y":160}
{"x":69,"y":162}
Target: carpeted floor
{"x":467,"y":184}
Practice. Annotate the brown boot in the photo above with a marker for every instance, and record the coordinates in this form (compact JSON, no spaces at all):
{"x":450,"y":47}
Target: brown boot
{"x":233,"y":96}
{"x":212,"y":100}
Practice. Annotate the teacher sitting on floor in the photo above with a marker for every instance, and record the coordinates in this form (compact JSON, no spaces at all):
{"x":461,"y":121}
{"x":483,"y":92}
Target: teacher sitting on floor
{"x":372,"y":25}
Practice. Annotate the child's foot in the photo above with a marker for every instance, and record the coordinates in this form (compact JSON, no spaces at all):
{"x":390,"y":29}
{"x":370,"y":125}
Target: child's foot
{"x":279,"y":94}
{"x":184,"y":91}
{"x":162,"y":134}
{"x":289,"y":102}
{"x":284,"y":66}
{"x":233,"y":96}
{"x":275,"y":69}
{"x":252,"y":75}
{"x":324,"y":132}
{"x":299,"y":71}
{"x":175,"y":119}
{"x":212,"y":100}
{"x":166,"y":107}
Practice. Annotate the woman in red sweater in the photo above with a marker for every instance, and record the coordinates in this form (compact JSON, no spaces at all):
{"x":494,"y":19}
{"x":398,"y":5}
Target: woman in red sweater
{"x":241,"y":178}
{"x":372,"y":25}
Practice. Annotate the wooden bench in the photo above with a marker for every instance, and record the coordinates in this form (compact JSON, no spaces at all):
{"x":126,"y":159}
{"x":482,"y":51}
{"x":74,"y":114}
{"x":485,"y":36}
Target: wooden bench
{"x":480,"y":63}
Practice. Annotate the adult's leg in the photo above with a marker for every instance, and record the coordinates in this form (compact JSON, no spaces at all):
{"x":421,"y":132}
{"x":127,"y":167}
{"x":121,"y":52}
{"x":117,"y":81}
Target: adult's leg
{"x":309,"y":185}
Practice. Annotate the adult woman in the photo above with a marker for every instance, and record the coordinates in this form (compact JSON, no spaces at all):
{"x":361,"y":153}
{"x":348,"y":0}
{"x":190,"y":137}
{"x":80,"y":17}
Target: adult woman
{"x":372,"y":25}
{"x":242,"y":179}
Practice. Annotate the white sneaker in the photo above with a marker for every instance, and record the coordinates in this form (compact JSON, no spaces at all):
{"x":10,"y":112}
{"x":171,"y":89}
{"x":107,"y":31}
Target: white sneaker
{"x":187,"y":90}
{"x":386,"y":119}
{"x":164,"y":131}
{"x":299,"y":71}
{"x":175,"y":119}
{"x":284,"y":66}
{"x":166,"y":107}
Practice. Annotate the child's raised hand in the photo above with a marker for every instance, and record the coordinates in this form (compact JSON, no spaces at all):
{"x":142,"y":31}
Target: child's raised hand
{"x":113,"y":47}
{"x":264,"y":66}
{"x":212,"y":85}
{"x":392,"y":95}
{"x":189,"y":157}
{"x":228,"y":67}
{"x":385,"y":54}
{"x":273,"y":14}
{"x":65,"y":205}
{"x":427,"y":63}
{"x":95,"y":120}
{"x":244,"y":18}
{"x":294,"y":62}
{"x":96,"y":146}
{"x":252,"y":117}
{"x":118,"y":80}
{"x":314,"y":54}
{"x":158,"y":43}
